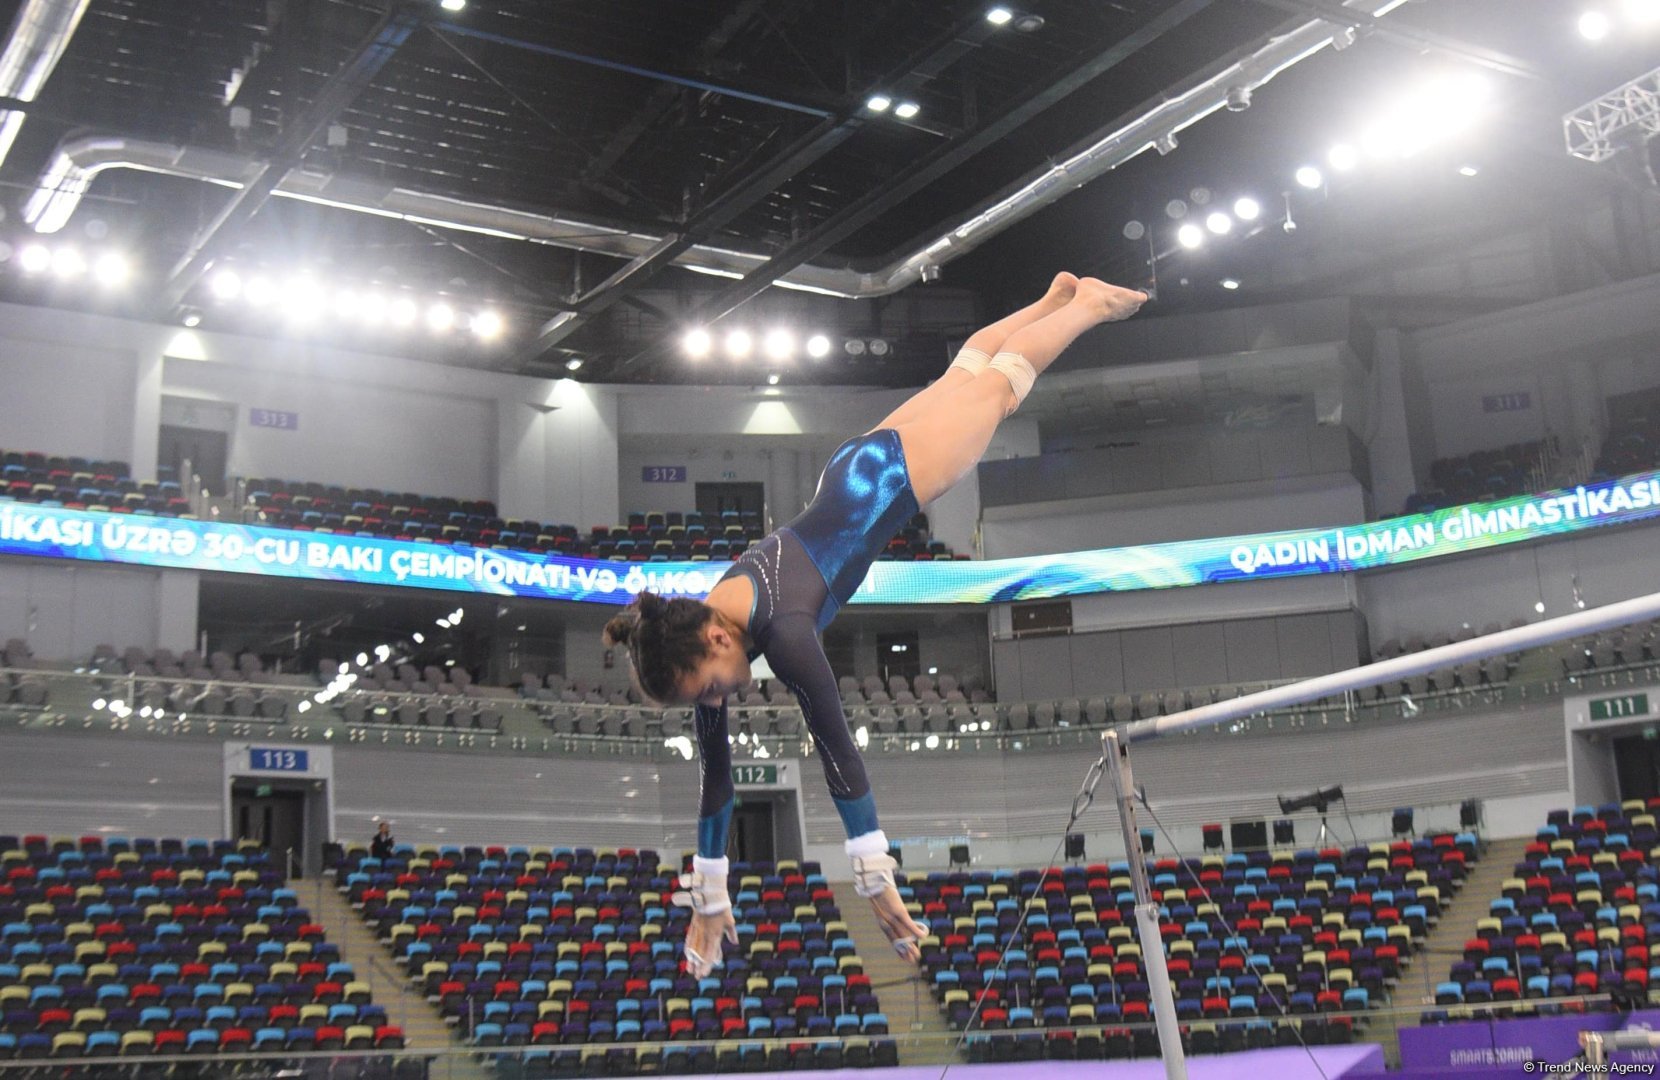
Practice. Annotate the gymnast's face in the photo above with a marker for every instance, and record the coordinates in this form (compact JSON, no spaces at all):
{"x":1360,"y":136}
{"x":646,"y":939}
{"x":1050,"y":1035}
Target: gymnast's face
{"x":723,"y":671}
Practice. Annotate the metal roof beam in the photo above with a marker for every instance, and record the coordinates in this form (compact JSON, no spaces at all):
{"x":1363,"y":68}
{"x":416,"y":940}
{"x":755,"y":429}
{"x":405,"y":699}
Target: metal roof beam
{"x":393,"y":28}
{"x":1403,"y":32}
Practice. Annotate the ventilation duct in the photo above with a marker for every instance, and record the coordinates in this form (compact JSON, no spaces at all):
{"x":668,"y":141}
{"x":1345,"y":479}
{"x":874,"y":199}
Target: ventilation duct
{"x":79,"y":160}
{"x":39,"y":35}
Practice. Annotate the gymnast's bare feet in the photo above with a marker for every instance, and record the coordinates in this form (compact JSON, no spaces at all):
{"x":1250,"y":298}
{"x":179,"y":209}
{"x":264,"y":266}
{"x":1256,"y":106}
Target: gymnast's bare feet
{"x":1061,"y":290}
{"x":1109,"y":303}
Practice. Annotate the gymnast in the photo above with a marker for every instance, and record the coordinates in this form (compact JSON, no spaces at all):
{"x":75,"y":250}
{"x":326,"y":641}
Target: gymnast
{"x":782,"y":592}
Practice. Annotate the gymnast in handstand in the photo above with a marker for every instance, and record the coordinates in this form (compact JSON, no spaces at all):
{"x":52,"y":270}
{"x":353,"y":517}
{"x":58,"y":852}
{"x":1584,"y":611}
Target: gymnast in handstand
{"x":781,"y":594}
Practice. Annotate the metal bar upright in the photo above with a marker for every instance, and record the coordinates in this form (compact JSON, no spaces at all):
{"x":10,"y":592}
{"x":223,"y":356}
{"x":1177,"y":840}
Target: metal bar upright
{"x":1117,"y":754}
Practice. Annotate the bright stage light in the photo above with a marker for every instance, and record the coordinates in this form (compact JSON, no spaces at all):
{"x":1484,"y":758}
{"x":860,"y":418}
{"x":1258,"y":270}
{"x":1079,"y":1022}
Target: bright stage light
{"x":35,"y":258}
{"x":1230,"y":283}
{"x":906,"y":109}
{"x":999,"y":16}
{"x":574,"y":364}
{"x":403,"y":311}
{"x":372,"y":309}
{"x":111,"y":269}
{"x":440,"y":318}
{"x":1190,"y":236}
{"x":1594,"y":26}
{"x":739,"y":344}
{"x":772,"y":380}
{"x":488,"y":325}
{"x":1308,"y":176}
{"x":697,"y":343}
{"x":226,"y":285}
{"x":1343,"y":157}
{"x":1247,"y":209}
{"x":818,"y":346}
{"x":68,"y":263}
{"x":259,"y":291}
{"x":453,"y":5}
{"x":932,"y":742}
{"x":878,"y":103}
{"x":1219,"y":223}
{"x":1468,"y":170}
{"x":302,"y":300}
{"x":779,"y":344}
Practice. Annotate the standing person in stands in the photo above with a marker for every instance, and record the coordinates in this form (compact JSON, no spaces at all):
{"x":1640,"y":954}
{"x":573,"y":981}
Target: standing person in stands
{"x":382,"y":844}
{"x":782,"y":592}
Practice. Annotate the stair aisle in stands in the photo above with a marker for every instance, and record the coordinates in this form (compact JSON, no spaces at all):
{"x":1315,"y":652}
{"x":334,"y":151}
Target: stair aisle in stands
{"x":910,"y":1007}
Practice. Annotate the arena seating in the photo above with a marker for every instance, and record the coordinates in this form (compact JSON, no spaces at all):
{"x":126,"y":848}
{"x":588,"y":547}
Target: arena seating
{"x":82,"y":484}
{"x":1574,"y":920}
{"x":1481,"y":476}
{"x":571,"y":947}
{"x":1258,"y":942}
{"x":135,"y":947}
{"x":1632,"y":445}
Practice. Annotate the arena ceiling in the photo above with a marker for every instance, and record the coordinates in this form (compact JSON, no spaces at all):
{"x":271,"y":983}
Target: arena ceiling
{"x":632,"y":138}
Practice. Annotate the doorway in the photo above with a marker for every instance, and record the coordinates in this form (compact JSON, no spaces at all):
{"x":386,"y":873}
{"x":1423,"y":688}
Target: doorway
{"x":753,"y":830}
{"x":272,"y":817}
{"x":744,"y":498}
{"x":1637,"y":760}
{"x":206,"y":451}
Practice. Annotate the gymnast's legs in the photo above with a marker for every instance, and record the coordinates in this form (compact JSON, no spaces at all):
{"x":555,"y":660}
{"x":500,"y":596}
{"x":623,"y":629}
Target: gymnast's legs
{"x":945,"y":428}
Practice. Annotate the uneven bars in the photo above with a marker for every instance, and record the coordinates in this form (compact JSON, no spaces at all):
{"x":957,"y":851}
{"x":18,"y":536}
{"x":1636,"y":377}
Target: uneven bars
{"x":1401,"y":667}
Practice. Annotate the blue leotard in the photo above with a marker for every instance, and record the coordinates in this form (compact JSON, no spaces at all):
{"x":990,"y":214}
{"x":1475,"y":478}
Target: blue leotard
{"x":802,"y":574}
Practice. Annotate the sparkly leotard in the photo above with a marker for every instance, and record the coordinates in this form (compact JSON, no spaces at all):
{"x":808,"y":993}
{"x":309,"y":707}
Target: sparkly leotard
{"x":802,"y":574}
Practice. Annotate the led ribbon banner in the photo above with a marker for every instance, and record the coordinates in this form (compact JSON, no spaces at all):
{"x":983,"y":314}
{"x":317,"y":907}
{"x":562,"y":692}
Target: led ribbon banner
{"x":99,"y":536}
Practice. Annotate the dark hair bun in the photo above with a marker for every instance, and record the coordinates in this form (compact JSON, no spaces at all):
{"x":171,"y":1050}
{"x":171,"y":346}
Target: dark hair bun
{"x":620,"y":629}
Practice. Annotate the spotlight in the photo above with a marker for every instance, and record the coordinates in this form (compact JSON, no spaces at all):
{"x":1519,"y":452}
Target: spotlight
{"x":1308,"y":176}
{"x":192,"y":319}
{"x":488,"y":325}
{"x":1219,"y":223}
{"x":440,"y":318}
{"x":1468,"y":170}
{"x":739,"y":344}
{"x":1190,"y":236}
{"x":878,"y":103}
{"x":68,"y":263}
{"x":1594,"y":26}
{"x":111,"y":269}
{"x":1230,"y":283}
{"x":1247,"y":209}
{"x":854,"y":346}
{"x":417,"y":638}
{"x":1343,"y":157}
{"x":880,"y":347}
{"x":818,"y":346}
{"x":772,"y":380}
{"x":932,"y":742}
{"x":259,"y":291}
{"x":302,"y":299}
{"x":35,"y":258}
{"x":697,"y":343}
{"x":452,"y":5}
{"x":906,"y":109}
{"x":1539,"y":606}
{"x":999,"y":16}
{"x":779,"y":344}
{"x":403,"y":311}
{"x":574,"y":364}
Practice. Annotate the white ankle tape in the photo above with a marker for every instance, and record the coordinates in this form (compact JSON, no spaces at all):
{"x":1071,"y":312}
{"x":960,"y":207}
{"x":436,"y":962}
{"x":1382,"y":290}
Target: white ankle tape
{"x":972,"y":361}
{"x":1019,"y":371}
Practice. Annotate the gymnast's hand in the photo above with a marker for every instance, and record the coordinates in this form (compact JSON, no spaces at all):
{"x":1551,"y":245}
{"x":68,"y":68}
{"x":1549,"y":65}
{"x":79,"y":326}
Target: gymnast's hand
{"x":1110,"y":303}
{"x":703,"y":941}
{"x":902,"y":930}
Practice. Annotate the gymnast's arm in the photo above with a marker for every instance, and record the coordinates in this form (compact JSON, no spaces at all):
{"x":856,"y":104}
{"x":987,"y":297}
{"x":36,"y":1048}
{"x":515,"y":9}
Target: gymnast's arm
{"x":797,"y":657}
